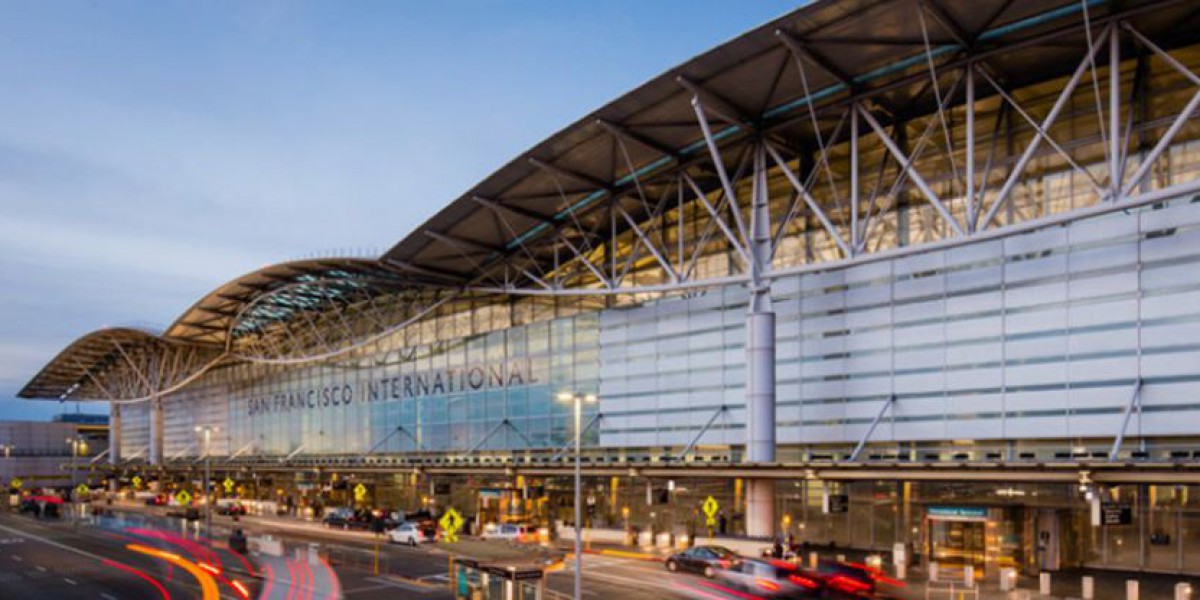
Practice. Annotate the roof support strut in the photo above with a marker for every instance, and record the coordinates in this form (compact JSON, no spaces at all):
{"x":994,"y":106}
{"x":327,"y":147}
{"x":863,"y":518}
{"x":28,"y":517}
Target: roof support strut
{"x":870,"y":430}
{"x":1135,"y":402}
{"x":692,"y":444}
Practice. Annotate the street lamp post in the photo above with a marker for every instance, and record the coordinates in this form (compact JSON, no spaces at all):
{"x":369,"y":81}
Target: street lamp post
{"x":207,"y":430}
{"x":74,"y":442}
{"x":578,"y":400}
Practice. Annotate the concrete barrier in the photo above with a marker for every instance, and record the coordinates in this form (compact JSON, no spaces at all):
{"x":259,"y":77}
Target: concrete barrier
{"x":1008,"y":579}
{"x":1183,"y":591}
{"x":266,"y":544}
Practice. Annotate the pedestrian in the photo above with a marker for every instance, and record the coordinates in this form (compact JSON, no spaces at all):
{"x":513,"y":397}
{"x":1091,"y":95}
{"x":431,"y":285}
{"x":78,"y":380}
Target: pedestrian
{"x":777,"y":548}
{"x":791,"y":543}
{"x":722,"y":522}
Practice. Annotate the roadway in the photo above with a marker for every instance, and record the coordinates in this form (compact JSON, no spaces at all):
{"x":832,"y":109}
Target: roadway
{"x":67,"y":560}
{"x":370,"y":569}
{"x":75,"y":559}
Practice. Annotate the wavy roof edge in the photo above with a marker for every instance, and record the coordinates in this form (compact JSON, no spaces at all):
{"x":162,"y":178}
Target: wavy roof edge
{"x":1028,"y":16}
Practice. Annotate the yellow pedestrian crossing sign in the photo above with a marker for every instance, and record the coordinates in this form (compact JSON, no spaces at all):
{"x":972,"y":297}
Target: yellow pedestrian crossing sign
{"x":137,"y":482}
{"x":81,"y":489}
{"x":710,"y":508}
{"x":16,"y":483}
{"x":360,"y":492}
{"x":451,"y":522}
{"x":183,"y":498}
{"x":228,"y":483}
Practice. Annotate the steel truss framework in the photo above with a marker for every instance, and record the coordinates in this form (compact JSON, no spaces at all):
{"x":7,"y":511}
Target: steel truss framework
{"x":975,"y":124}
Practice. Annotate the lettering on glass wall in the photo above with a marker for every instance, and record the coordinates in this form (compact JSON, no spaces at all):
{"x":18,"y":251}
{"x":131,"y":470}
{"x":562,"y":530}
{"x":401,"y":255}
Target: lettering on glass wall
{"x":410,"y":386}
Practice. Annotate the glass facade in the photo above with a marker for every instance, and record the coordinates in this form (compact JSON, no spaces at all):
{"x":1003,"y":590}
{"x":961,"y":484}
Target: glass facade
{"x":491,"y":391}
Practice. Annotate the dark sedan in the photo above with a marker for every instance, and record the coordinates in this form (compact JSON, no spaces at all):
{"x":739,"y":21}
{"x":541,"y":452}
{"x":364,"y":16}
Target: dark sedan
{"x":702,"y":559}
{"x":345,"y":518}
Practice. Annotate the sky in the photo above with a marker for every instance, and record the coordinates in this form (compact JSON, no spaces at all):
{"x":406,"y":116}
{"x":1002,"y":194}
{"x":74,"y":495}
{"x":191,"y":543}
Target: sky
{"x":151,"y":151}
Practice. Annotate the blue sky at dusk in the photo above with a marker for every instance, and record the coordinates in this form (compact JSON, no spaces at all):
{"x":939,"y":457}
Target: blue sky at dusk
{"x":151,"y":151}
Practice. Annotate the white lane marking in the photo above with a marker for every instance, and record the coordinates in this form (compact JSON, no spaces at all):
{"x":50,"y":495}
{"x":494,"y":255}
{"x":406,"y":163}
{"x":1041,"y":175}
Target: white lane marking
{"x":108,"y":597}
{"x":17,"y":558}
{"x":40,"y":568}
{"x":52,"y":543}
{"x":70,"y":581}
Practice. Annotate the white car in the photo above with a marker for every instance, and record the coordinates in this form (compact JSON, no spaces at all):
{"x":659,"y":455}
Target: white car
{"x":509,"y":531}
{"x":410,"y":533}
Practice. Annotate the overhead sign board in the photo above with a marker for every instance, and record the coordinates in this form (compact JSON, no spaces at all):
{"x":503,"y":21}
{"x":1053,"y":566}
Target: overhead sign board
{"x":1113,"y":513}
{"x":957,"y":513}
{"x":836,"y":503}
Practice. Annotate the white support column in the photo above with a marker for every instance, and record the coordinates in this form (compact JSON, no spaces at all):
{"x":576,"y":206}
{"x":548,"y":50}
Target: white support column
{"x":760,"y":359}
{"x":114,"y":434}
{"x":155,"y":456}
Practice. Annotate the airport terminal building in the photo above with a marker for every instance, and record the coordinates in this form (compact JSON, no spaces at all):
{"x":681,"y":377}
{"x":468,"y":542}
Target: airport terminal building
{"x":876,"y":272}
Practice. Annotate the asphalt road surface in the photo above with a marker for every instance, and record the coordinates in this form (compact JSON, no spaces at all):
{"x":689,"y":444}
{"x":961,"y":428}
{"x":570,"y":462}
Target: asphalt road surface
{"x":79,"y":559}
{"x":66,"y":560}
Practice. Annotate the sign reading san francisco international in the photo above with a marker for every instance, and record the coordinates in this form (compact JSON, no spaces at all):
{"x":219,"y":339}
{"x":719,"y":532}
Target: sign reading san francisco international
{"x":416,"y":385}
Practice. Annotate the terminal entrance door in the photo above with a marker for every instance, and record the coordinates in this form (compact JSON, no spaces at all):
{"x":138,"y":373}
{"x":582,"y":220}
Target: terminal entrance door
{"x":958,"y":538}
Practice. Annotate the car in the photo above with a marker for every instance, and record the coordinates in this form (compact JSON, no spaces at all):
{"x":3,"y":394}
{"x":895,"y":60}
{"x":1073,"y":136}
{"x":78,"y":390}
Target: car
{"x":412,"y":533}
{"x":157,"y":500}
{"x":230,"y":509}
{"x":849,"y":580}
{"x":510,"y":531}
{"x":771,"y":579}
{"x":344,"y":518}
{"x":705,"y":560}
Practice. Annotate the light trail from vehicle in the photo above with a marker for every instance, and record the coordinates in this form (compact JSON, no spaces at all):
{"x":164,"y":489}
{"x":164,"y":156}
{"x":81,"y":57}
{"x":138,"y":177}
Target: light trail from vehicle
{"x":208,"y":585}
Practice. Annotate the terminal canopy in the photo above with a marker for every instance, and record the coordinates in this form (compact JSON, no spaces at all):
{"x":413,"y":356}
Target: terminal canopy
{"x":865,"y":125}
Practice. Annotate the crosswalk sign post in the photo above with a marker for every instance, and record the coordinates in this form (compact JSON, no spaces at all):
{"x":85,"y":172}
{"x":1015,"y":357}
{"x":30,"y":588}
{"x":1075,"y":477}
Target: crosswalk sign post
{"x":710,"y":508}
{"x":137,"y":482}
{"x":16,"y":483}
{"x":228,"y":483}
{"x":360,"y":493}
{"x":183,"y":498}
{"x":451,"y":522}
{"x":81,"y":491}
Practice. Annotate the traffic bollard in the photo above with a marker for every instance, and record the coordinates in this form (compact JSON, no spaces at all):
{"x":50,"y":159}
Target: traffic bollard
{"x":969,"y":576}
{"x":812,"y":560}
{"x":1131,"y":589}
{"x":933,"y":571}
{"x":1044,"y":583}
{"x":1088,"y":591}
